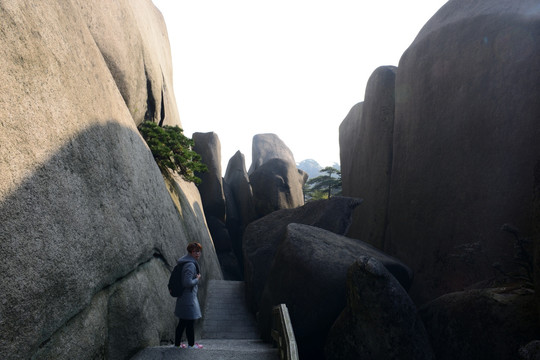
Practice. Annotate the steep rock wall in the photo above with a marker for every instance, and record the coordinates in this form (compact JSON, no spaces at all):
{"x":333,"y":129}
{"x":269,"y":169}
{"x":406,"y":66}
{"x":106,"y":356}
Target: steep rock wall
{"x":465,"y":143}
{"x":464,"y":146}
{"x":88,"y":230}
{"x":132,"y":37}
{"x":369,"y":170}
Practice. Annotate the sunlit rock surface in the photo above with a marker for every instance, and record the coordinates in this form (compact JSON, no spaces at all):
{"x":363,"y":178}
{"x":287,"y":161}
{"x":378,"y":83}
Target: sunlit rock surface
{"x":276,"y":185}
{"x":266,"y":147}
{"x":88,"y":230}
{"x":132,"y":38}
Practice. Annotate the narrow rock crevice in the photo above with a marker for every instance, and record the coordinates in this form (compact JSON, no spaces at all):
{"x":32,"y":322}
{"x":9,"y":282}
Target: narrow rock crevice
{"x":162,"y":112}
{"x":150,"y":99}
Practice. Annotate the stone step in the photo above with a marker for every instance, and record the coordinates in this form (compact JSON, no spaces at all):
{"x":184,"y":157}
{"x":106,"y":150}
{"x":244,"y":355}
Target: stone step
{"x":226,"y":315}
{"x":229,"y":330}
{"x":213,"y":350}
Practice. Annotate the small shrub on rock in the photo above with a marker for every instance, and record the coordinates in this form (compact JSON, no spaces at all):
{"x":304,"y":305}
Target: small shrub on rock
{"x":172,"y":150}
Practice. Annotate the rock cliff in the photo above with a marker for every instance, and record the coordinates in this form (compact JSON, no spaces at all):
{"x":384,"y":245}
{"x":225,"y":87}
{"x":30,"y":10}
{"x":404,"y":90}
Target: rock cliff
{"x":370,"y":146}
{"x":463,"y":146}
{"x":88,"y":228}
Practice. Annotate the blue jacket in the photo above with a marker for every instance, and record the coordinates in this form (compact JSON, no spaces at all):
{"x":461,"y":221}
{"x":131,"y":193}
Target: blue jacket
{"x":187,"y":305}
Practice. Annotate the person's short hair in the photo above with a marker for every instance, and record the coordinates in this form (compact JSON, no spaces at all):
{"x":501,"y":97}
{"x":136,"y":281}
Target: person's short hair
{"x":194,"y":246}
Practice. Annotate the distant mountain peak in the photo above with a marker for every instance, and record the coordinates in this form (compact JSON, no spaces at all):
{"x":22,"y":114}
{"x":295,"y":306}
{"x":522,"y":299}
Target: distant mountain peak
{"x":313,"y":168}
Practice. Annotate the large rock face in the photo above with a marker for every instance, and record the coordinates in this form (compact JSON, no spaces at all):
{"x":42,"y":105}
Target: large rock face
{"x":262,"y":237}
{"x":213,"y":194}
{"x":266,"y":147}
{"x":380,"y":320}
{"x":464,"y":143}
{"x":239,"y":200}
{"x":368,"y":175}
{"x":238,"y":180}
{"x":276,"y":185}
{"x":132,"y":38}
{"x":308,"y":274}
{"x":349,"y":133}
{"x":209,"y":147}
{"x":481,"y":324}
{"x":275,"y":180}
{"x":273,"y":183}
{"x":120,"y":319}
{"x":88,"y":230}
{"x":536,"y":238}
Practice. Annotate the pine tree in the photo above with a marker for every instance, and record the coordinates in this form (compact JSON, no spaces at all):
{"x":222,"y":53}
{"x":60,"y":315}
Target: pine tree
{"x":325,"y":184}
{"x":172,"y":150}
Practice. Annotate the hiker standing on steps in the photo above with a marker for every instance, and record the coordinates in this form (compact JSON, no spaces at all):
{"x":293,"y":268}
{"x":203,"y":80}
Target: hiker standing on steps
{"x":187,"y":308}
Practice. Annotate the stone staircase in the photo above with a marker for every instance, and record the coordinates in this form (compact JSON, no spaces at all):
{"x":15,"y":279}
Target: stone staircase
{"x":226,"y":315}
{"x":228,"y":330}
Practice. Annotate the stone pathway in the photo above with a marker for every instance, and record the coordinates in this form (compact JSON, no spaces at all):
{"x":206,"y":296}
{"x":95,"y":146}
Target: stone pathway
{"x":228,"y":331}
{"x":226,"y":315}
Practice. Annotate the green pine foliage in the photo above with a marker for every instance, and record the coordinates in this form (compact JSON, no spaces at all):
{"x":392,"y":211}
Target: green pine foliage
{"x":324,"y":186}
{"x":172,"y":150}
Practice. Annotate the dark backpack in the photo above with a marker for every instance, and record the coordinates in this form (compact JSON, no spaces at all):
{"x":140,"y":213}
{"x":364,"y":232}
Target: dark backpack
{"x":176,"y":288}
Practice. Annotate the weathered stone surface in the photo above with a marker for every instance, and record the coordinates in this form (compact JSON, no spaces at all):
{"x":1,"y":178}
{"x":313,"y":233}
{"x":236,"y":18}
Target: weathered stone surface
{"x":531,"y":351}
{"x":536,"y":237}
{"x":308,"y":274}
{"x":380,"y":320}
{"x":135,"y":307}
{"x":232,"y":215}
{"x":90,"y":226}
{"x":113,"y":325}
{"x":262,"y":237}
{"x":241,"y":200}
{"x":238,"y":180}
{"x":211,"y":188}
{"x":266,"y":147}
{"x":235,"y":231}
{"x":481,"y":324}
{"x":88,"y":330}
{"x":187,"y":200}
{"x":240,"y":207}
{"x":349,"y":133}
{"x":82,"y":202}
{"x":132,"y":37}
{"x":275,"y":180}
{"x":276,"y":185}
{"x":213,"y":197}
{"x":465,"y":142}
{"x":369,"y":170}
{"x":220,"y":234}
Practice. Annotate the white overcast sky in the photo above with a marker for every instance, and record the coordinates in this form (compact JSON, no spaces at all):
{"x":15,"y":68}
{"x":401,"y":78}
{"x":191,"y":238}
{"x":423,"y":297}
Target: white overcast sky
{"x":289,"y":67}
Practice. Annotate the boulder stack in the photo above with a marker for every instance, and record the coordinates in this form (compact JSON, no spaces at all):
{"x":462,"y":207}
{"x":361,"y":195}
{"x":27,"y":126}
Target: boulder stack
{"x":308,"y":274}
{"x":262,"y":237}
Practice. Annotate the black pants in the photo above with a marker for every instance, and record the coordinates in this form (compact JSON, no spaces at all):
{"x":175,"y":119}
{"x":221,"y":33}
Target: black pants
{"x":188,"y":325}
